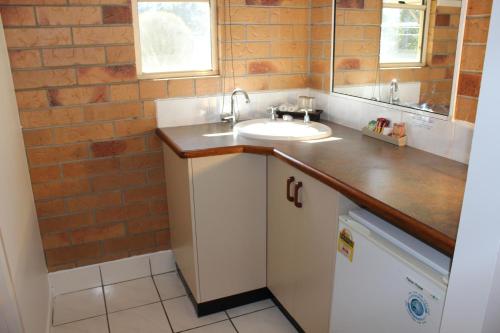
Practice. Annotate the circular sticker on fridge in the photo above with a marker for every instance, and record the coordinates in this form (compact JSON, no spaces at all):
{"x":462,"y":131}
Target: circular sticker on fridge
{"x":417,"y":307}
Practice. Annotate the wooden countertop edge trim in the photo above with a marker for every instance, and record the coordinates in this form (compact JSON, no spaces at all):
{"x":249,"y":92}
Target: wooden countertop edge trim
{"x":425,"y":233}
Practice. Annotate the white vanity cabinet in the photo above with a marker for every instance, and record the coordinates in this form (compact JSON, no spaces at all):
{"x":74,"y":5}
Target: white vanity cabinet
{"x":301,"y":244}
{"x":217,"y":212}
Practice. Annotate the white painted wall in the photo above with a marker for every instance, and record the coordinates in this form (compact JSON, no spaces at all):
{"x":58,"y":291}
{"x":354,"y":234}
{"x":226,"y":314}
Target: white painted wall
{"x":18,"y":222}
{"x":492,"y":319}
{"x":472,"y":301}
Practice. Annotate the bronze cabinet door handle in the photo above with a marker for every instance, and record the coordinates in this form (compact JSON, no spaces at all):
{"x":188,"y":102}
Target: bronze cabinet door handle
{"x":289,"y":182}
{"x":298,"y":186}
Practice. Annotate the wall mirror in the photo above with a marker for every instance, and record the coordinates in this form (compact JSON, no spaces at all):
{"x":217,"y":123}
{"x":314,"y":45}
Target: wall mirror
{"x":397,"y":52}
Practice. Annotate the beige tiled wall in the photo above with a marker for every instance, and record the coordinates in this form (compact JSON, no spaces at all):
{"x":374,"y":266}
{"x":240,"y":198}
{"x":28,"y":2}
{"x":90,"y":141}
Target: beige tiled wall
{"x":95,"y":163}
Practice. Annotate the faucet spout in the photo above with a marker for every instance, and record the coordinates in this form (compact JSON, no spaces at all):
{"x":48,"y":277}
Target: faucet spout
{"x":233,"y":115}
{"x":393,"y":89}
{"x":241,"y":91}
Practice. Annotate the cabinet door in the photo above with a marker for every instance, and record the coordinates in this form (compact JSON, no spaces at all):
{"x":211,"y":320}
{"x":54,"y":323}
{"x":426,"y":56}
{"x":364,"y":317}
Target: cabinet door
{"x":315,"y":245}
{"x":301,"y":246}
{"x":229,"y":195}
{"x":281,"y":234}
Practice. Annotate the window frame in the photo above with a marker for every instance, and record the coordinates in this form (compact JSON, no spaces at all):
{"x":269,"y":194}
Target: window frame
{"x":180,"y":74}
{"x":425,"y":34}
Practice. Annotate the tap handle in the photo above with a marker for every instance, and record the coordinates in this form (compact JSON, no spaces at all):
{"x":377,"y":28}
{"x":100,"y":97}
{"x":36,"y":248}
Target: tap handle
{"x":274,"y":110}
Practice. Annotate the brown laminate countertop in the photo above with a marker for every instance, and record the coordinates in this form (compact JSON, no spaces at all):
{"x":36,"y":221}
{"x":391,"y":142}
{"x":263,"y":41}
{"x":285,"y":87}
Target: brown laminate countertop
{"x":419,"y":192}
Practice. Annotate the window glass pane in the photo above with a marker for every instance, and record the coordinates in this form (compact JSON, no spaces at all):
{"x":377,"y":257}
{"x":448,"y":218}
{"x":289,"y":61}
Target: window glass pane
{"x":175,"y":36}
{"x":401,"y":39}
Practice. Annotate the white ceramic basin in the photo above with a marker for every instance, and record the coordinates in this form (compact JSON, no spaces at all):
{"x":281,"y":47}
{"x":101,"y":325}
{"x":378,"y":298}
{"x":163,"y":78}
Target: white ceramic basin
{"x":282,"y":130}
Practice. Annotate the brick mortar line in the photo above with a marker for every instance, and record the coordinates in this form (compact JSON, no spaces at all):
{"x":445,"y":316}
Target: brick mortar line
{"x":61,"y":165}
{"x":97,"y":225}
{"x":101,"y":192}
{"x":98,"y":84}
{"x":86,"y":160}
{"x":68,"y":46}
{"x":84,"y":211}
{"x":129,"y":25}
{"x":58,"y":145}
{"x":72,"y":244}
{"x":69,"y":26}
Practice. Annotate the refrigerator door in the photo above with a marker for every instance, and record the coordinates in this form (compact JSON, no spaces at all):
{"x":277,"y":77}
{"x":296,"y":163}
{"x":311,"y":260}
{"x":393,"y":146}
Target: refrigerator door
{"x":382,"y":289}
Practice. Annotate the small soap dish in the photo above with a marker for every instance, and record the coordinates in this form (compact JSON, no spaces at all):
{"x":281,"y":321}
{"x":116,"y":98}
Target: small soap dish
{"x":401,"y":142}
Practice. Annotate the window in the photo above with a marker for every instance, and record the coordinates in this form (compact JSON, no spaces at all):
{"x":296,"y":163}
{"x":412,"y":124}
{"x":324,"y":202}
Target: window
{"x":175,"y":38}
{"x":404,"y":30}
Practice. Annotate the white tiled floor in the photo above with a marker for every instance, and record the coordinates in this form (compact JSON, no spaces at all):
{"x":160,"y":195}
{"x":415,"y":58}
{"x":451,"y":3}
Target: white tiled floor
{"x":156,"y":304}
{"x":129,"y":294}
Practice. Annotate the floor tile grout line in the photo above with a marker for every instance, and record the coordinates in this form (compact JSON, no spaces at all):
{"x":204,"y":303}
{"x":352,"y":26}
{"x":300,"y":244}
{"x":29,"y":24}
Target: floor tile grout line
{"x":138,"y":278}
{"x":234,"y":326}
{"x":111,"y":312}
{"x":105,"y":303}
{"x":74,"y":292}
{"x":161,"y":301}
{"x":159,"y":295}
{"x":134,"y":307}
{"x":173,"y":271}
{"x":231,"y":321}
{"x":77,"y":291}
{"x":75,"y":321}
{"x":111,"y":284}
{"x":134,"y":279}
{"x":248,"y":313}
{"x":193,"y":328}
{"x":171,"y":298}
{"x":145,"y":304}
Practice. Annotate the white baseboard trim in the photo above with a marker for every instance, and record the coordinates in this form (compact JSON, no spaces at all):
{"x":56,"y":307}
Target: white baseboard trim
{"x":86,"y":277}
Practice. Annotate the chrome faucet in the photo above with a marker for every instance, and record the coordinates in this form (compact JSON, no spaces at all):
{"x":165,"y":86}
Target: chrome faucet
{"x":233,"y":116}
{"x":307,"y":119}
{"x":393,"y":89}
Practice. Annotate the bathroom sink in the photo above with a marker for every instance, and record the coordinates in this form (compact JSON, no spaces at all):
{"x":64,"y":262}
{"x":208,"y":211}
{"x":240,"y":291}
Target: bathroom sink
{"x":290,"y":130}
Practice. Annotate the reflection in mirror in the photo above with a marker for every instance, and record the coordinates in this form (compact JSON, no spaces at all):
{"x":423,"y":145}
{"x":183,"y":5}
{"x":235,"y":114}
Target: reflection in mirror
{"x":398,"y":52}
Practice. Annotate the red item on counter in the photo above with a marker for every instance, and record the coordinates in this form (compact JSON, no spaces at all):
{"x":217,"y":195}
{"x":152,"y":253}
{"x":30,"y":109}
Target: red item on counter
{"x":381,"y":123}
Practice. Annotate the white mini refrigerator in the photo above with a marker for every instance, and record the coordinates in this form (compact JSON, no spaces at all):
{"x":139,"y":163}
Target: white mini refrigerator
{"x":386,"y":281}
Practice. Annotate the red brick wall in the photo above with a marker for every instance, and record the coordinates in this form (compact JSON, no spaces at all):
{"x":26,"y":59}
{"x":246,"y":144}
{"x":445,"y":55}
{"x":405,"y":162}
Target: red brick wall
{"x":95,"y":163}
{"x":471,"y":68}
